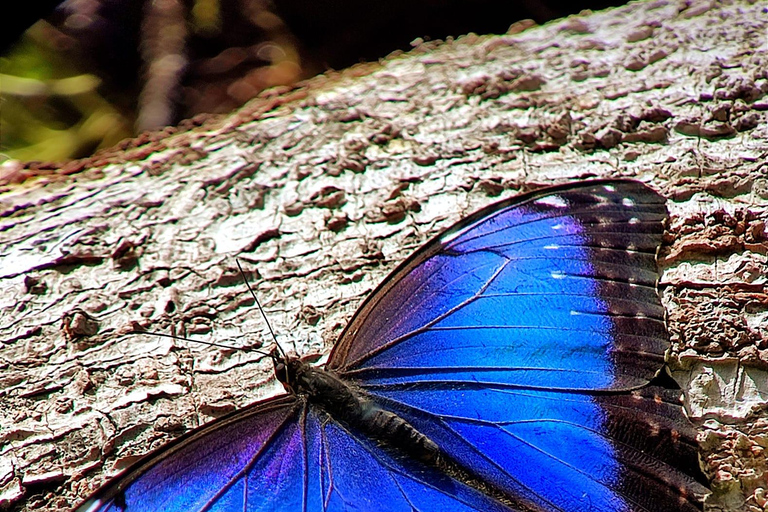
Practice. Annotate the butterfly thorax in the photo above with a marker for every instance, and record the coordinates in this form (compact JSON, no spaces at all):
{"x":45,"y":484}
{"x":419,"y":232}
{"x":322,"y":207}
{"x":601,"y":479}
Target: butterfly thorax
{"x":344,"y":403}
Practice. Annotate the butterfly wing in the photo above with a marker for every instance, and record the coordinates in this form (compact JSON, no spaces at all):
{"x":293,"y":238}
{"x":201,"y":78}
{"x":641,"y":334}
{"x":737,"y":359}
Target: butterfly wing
{"x":283,"y":455}
{"x":506,"y":338}
{"x":347,"y":471}
{"x":488,"y":361}
{"x":211,"y":465}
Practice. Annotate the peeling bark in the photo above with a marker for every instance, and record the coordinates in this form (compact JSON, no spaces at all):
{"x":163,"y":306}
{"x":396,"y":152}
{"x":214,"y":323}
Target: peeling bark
{"x":322,"y":190}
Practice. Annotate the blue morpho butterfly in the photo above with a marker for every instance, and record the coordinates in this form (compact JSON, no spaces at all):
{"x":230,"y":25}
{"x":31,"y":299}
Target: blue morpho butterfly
{"x":512,"y":363}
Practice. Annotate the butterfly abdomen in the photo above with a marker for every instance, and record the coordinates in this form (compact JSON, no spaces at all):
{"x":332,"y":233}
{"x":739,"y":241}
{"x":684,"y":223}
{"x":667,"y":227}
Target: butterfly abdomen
{"x":390,"y":427}
{"x":346,"y":404}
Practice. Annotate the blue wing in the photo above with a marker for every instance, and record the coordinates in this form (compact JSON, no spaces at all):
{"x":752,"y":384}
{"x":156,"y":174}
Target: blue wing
{"x":503,"y":340}
{"x":283,"y":455}
{"x":211,"y":465}
{"x":506,"y":339}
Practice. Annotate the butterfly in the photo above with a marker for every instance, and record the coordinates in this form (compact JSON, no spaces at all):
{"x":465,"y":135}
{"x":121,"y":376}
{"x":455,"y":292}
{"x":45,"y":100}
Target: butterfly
{"x":513,"y":363}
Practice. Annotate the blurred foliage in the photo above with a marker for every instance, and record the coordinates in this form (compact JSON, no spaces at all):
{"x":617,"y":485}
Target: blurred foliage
{"x":97,"y":71}
{"x":50,"y":109}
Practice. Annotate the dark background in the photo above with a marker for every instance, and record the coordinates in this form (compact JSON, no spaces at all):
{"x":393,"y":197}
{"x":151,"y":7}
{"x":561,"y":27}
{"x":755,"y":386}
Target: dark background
{"x":224,"y":52}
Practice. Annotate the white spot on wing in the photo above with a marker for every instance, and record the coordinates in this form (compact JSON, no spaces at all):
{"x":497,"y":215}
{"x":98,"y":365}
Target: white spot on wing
{"x":557,"y":274}
{"x":552,"y":202}
{"x":609,"y":188}
{"x":634,"y":220}
{"x":557,"y":227}
{"x":551,"y":247}
{"x":94,"y":505}
{"x":453,"y":236}
{"x":629,"y":203}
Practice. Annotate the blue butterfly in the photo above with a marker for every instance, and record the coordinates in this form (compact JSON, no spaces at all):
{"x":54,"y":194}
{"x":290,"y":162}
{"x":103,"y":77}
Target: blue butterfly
{"x":510,"y":364}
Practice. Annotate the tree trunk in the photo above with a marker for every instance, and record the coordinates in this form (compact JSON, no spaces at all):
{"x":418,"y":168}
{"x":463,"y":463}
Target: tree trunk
{"x":321,"y":190}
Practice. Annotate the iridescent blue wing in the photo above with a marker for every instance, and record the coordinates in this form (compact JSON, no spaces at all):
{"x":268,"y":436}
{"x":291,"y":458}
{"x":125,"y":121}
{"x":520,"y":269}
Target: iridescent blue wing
{"x":502,"y":340}
{"x":506,"y":339}
{"x":214,"y":464}
{"x":283,"y":455}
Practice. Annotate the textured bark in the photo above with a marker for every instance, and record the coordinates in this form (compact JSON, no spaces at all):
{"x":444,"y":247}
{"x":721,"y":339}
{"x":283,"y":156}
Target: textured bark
{"x":323,"y":189}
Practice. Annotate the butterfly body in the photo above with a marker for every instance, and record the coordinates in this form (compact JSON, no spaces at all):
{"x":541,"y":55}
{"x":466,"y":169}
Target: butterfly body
{"x":343,"y":402}
{"x":507,"y":365}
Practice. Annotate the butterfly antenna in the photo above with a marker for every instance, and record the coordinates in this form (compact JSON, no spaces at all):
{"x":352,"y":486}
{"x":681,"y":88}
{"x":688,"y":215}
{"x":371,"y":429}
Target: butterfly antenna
{"x":182,"y":338}
{"x":264,"y":315}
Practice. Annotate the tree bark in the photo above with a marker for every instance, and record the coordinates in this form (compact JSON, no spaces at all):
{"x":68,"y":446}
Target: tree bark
{"x":322,"y":189}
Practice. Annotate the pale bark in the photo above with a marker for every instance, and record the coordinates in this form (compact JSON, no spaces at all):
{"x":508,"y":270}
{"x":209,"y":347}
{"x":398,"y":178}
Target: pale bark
{"x":322,"y":190}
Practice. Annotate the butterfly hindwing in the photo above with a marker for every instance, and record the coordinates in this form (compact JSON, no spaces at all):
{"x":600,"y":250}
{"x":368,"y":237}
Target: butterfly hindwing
{"x":348,"y":471}
{"x":284,"y":456}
